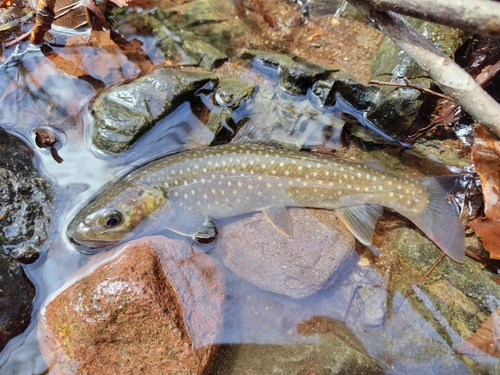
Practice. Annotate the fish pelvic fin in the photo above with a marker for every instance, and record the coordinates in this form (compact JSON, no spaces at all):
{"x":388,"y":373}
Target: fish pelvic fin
{"x":279,"y":218}
{"x":360,"y":220}
{"x":440,"y":221}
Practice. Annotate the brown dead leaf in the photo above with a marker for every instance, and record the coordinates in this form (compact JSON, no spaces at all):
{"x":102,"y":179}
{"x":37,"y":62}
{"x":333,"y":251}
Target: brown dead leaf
{"x":486,"y":159}
{"x":486,"y":340}
{"x":96,"y":56}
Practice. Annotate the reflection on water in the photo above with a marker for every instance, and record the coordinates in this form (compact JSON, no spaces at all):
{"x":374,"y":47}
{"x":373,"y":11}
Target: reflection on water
{"x":380,"y":323}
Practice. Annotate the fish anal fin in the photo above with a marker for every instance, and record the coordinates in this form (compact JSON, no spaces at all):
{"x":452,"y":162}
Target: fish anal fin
{"x":360,"y":220}
{"x":279,"y":218}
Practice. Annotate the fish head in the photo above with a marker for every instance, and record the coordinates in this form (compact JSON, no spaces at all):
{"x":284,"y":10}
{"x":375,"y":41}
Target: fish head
{"x":109,"y":218}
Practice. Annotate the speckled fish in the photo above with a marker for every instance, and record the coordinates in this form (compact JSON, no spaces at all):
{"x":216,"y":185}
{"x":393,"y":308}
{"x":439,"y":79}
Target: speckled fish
{"x":187,"y":189}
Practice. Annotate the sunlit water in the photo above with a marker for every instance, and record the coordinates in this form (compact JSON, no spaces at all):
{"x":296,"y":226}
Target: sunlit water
{"x":405,"y":343}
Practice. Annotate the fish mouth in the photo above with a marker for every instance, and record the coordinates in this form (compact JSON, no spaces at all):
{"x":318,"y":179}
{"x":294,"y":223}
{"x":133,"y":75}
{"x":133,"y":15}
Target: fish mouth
{"x":80,"y":237}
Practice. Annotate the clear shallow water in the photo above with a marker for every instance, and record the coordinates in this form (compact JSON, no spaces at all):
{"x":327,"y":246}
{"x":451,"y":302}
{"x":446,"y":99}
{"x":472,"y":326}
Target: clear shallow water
{"x":391,"y":330}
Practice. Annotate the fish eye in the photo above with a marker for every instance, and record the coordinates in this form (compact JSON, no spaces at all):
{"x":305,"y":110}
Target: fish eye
{"x":111,"y":219}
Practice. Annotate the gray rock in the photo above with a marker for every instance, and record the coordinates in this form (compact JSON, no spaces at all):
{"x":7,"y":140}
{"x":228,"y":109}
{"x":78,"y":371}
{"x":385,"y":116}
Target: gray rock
{"x":298,"y":266}
{"x":123,"y":114}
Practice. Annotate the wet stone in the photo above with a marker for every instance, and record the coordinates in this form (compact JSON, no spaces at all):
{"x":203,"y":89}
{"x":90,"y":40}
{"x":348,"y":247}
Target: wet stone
{"x":16,"y":296}
{"x":123,"y":114}
{"x":25,"y":205}
{"x":295,"y":75}
{"x":298,"y":266}
{"x":153,"y":308}
{"x":25,"y":201}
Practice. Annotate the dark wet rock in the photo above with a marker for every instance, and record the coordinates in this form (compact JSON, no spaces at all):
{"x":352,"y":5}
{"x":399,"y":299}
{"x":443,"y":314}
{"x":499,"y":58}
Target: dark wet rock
{"x":232,"y":92}
{"x":292,"y":121}
{"x":205,"y":55}
{"x":154,"y":307}
{"x":16,"y":296}
{"x":25,"y":201}
{"x":355,"y":94}
{"x":230,"y":100}
{"x":295,"y":75}
{"x":25,"y":205}
{"x":394,"y":109}
{"x":123,"y":114}
{"x":337,"y":351}
{"x":298,"y":266}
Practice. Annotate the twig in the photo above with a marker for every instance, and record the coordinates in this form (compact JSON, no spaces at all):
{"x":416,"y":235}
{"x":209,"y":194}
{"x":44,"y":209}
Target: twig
{"x":477,"y":16}
{"x":486,"y":262}
{"x":409,"y":84}
{"x":410,"y":291}
{"x":450,"y":78}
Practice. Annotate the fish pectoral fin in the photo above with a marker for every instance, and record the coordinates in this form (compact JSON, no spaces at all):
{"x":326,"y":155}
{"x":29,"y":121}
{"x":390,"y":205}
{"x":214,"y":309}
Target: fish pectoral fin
{"x":279,"y":218}
{"x":360,"y":220}
{"x":185,"y":221}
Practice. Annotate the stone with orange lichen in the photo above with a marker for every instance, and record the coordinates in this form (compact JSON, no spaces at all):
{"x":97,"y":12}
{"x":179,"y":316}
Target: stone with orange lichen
{"x":154,"y":307}
{"x":486,"y":158}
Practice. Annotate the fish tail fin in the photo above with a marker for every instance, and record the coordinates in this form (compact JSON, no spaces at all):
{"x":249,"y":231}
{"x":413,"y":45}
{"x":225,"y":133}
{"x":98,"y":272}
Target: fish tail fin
{"x":440,"y":221}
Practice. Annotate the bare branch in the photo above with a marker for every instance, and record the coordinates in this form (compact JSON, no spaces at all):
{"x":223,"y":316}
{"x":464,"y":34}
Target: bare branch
{"x":477,"y":16}
{"x":452,"y":79}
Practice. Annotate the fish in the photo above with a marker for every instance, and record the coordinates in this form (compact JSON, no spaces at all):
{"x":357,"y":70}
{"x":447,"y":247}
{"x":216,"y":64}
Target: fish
{"x":187,"y":191}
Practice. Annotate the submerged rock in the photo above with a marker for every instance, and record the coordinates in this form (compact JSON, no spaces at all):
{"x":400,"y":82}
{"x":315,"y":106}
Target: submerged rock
{"x":295,"y":266}
{"x":123,"y":114}
{"x":337,"y":351}
{"x":142,"y":312}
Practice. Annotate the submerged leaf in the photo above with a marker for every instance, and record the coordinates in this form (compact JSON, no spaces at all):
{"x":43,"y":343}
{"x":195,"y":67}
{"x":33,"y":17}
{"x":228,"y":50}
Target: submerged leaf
{"x":486,"y":340}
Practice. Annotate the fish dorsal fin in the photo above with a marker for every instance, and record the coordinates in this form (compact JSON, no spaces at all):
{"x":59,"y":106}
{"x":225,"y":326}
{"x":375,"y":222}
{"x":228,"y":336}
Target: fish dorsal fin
{"x":279,"y":218}
{"x":360,"y":220}
{"x":375,"y":165}
{"x":183,"y":220}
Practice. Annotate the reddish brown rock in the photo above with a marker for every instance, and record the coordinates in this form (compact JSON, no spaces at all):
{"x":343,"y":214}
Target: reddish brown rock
{"x":153,"y":308}
{"x":296,"y":266}
{"x":486,"y":158}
